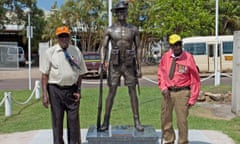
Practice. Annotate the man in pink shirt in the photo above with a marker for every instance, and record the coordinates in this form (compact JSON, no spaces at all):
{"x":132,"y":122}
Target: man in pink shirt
{"x":179,"y":81}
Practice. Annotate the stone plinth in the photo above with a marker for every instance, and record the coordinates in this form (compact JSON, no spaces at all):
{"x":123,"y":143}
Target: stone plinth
{"x":122,"y":134}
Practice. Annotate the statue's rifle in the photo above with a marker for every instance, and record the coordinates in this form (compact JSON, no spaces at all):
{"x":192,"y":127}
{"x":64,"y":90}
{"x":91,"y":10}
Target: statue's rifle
{"x":100,"y":98}
{"x":138,"y":69}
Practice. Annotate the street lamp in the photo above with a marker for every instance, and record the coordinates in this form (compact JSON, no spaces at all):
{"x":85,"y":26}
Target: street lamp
{"x":29,"y":35}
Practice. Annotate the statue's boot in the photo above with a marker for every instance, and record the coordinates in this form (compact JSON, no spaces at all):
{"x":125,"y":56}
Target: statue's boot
{"x":137,"y":124}
{"x":105,"y":124}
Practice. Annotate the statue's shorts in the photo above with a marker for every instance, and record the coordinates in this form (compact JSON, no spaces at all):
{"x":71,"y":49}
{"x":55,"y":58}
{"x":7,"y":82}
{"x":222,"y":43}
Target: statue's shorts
{"x":116,"y":71}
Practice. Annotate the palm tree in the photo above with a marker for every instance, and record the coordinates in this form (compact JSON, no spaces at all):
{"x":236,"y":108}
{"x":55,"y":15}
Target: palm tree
{"x":229,"y":16}
{"x":83,"y":17}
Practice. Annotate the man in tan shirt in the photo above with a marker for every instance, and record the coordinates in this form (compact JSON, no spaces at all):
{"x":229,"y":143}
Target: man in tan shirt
{"x":62,"y":69}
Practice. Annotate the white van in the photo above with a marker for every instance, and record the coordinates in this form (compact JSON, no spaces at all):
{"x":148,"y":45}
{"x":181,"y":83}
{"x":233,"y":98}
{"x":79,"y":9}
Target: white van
{"x":12,"y":54}
{"x":203,"y":50}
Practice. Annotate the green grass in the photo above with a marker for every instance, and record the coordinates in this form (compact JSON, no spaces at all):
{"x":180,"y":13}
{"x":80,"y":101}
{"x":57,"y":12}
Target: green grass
{"x":33,"y":115}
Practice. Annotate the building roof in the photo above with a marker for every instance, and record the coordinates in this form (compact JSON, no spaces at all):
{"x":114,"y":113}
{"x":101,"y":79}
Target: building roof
{"x":12,"y":27}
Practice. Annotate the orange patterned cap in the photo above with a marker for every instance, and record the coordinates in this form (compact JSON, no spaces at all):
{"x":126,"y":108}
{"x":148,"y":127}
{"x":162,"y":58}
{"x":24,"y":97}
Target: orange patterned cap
{"x":62,"y":30}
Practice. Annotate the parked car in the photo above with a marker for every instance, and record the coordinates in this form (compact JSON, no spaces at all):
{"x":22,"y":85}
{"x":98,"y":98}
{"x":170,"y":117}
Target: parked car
{"x":93,"y":63}
{"x":10,"y":54}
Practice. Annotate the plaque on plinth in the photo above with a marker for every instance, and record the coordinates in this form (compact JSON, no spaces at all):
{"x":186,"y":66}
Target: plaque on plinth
{"x":122,"y":134}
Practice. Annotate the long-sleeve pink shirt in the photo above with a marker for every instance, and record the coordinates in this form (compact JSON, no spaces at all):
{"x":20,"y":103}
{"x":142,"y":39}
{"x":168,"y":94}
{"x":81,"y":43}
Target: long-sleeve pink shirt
{"x":185,"y":74}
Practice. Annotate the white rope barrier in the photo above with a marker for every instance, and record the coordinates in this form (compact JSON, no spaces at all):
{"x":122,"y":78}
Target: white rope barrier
{"x":8,"y":99}
{"x":155,"y":81}
{"x":3,"y":100}
{"x":152,"y":81}
{"x":210,"y":76}
{"x":105,"y":82}
{"x":29,"y":98}
{"x":93,"y":83}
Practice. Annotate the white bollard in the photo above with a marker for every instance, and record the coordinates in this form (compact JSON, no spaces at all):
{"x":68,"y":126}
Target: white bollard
{"x":37,"y":90}
{"x":8,"y":101}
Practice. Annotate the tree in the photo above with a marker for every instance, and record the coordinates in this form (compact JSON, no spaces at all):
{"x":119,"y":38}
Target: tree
{"x":186,"y":18}
{"x":12,"y":12}
{"x":229,"y":16}
{"x":3,"y":10}
{"x":93,"y":19}
{"x":53,"y":20}
{"x":155,"y":18}
{"x":85,"y":18}
{"x":139,"y":14}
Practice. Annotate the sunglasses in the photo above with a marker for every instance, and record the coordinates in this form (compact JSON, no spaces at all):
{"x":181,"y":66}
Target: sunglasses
{"x":63,"y":36}
{"x":177,"y":44}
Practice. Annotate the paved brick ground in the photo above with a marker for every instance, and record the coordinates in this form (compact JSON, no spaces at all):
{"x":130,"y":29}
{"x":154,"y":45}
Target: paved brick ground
{"x":45,"y":137}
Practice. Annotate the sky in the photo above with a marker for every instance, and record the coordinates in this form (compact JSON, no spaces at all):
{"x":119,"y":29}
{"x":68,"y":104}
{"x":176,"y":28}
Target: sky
{"x":46,"y":4}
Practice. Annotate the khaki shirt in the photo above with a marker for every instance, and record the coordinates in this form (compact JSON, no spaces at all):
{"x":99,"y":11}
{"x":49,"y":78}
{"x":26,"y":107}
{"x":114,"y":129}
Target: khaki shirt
{"x":55,"y":64}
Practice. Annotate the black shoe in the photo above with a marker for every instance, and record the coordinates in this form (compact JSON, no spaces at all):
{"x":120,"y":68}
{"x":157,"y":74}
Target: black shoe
{"x":103,"y":128}
{"x":105,"y":124}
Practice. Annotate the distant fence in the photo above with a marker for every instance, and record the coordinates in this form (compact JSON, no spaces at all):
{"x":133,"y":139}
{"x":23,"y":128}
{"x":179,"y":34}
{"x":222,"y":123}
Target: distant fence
{"x":8,"y":99}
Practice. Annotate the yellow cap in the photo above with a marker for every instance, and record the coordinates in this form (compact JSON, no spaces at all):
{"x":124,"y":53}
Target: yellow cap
{"x":62,"y":30}
{"x":174,"y":38}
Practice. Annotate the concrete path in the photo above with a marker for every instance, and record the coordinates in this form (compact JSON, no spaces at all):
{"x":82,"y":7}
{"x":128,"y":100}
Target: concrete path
{"x":45,"y":137}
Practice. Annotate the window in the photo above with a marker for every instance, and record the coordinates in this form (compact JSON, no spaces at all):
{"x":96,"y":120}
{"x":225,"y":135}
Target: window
{"x":12,"y":50}
{"x":195,"y":48}
{"x":20,"y":50}
{"x":227,"y":47}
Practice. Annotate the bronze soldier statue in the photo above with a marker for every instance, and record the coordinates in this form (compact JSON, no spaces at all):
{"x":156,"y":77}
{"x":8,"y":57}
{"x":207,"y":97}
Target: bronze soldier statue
{"x":124,"y":61}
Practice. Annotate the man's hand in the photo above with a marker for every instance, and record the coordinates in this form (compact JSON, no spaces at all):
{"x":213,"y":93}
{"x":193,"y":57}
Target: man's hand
{"x":45,"y":101}
{"x":166,"y":94}
{"x":189,"y":105}
{"x":77,"y":96}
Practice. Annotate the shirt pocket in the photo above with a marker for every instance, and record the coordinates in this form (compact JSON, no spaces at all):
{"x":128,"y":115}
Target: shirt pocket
{"x":56,"y":60}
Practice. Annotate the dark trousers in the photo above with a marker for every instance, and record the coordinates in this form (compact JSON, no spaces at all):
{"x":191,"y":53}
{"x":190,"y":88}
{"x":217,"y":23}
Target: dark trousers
{"x":61,"y":100}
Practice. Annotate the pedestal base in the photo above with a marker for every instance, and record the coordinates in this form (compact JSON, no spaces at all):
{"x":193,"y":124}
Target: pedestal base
{"x":122,"y":134}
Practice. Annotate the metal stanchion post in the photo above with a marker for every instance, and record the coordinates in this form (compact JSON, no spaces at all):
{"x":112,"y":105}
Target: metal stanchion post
{"x":37,"y":89}
{"x":8,"y":101}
